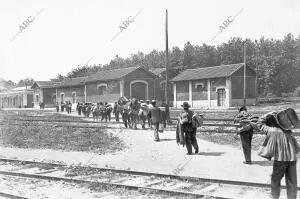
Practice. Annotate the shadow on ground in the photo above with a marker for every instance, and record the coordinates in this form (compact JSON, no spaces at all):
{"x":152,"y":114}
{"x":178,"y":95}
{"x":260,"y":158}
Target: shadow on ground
{"x":210,"y":153}
{"x":263,"y":163}
{"x":167,"y":139}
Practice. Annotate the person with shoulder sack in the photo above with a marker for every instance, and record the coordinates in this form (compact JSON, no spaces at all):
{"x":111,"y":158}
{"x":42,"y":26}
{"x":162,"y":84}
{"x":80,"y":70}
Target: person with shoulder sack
{"x":155,"y":115}
{"x":186,"y":121}
{"x":245,"y":129}
{"x":281,"y":145}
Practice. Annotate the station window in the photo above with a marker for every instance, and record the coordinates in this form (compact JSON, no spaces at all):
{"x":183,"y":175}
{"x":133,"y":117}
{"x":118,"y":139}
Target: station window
{"x":199,"y":86}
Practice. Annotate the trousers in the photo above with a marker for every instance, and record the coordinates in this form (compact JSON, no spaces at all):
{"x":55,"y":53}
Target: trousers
{"x":117,"y":116}
{"x":149,"y":121}
{"x":281,"y":168}
{"x":246,"y":138}
{"x":126,"y":120}
{"x":156,"y":136}
{"x":191,"y":140}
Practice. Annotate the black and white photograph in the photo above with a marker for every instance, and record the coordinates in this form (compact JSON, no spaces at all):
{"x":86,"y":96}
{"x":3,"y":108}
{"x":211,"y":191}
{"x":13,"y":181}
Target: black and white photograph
{"x":158,"y":99}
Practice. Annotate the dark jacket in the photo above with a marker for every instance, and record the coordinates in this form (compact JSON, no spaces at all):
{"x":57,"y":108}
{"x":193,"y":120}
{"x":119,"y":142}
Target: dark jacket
{"x":155,"y":114}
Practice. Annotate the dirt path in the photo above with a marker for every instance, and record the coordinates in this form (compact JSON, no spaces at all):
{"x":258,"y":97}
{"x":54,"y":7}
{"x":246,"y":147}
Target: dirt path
{"x":143,"y":154}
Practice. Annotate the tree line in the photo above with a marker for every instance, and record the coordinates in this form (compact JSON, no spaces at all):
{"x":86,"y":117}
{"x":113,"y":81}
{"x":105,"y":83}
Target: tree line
{"x":277,"y":61}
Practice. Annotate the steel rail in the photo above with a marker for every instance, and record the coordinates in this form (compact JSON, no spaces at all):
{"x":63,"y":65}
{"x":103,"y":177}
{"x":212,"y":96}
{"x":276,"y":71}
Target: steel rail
{"x":110,"y":184}
{"x":142,"y":173}
{"x":170,"y":128}
{"x":38,"y":118}
{"x":11,"y":196}
{"x":101,"y":122}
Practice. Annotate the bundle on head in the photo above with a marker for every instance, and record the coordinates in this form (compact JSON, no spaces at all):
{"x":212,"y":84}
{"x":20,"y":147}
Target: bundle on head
{"x":122,"y":101}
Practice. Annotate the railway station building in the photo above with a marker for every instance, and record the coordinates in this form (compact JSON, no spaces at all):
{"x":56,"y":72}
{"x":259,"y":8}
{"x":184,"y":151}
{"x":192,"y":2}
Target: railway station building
{"x":103,"y":86}
{"x":217,"y":86}
{"x":44,"y":91}
{"x":19,"y":97}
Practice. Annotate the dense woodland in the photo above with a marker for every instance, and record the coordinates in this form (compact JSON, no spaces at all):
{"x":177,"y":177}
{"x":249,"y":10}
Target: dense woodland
{"x":278,"y":61}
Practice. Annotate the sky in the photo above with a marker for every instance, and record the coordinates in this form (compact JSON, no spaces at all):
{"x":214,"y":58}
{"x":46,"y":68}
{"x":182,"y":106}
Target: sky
{"x":67,"y":33}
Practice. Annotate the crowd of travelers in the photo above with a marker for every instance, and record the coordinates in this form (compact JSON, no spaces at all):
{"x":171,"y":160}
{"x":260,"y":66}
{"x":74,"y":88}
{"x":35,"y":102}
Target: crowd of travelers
{"x":67,"y":105}
{"x":132,"y":112}
{"x":279,"y":143}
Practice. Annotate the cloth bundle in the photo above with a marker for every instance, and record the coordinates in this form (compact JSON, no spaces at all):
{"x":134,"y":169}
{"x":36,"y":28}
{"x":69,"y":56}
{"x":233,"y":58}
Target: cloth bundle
{"x":195,"y":119}
{"x":144,"y":110}
{"x":180,"y":138}
{"x":245,"y":122}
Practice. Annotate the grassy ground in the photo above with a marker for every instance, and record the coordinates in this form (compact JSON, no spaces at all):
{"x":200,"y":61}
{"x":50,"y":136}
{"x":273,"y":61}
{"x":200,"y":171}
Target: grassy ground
{"x":33,"y":135}
{"x":59,"y":138}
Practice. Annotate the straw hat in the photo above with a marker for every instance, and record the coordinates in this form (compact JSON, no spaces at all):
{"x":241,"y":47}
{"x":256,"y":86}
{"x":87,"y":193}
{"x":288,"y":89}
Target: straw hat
{"x":185,"y":105}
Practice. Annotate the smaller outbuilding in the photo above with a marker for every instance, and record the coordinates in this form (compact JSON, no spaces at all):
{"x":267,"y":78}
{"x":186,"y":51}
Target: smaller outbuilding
{"x":19,"y":97}
{"x":217,"y":86}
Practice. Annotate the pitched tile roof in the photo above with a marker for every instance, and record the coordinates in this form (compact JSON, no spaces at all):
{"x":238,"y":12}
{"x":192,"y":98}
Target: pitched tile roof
{"x":46,"y":84}
{"x":208,"y":72}
{"x":157,"y":71}
{"x":72,"y":82}
{"x":111,"y":74}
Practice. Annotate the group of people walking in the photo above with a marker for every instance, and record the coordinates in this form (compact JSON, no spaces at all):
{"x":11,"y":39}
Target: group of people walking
{"x":67,"y":105}
{"x":97,"y":110}
{"x":279,"y":144}
{"x":143,"y":112}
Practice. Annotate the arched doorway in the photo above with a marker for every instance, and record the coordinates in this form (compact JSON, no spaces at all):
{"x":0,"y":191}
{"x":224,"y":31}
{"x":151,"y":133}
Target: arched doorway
{"x":139,"y":89}
{"x":221,"y":96}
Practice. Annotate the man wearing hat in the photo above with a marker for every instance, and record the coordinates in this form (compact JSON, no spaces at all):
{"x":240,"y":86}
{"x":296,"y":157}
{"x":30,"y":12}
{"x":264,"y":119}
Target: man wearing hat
{"x":148,"y":116}
{"x":188,"y":129}
{"x":155,"y":115}
{"x":143,"y":112}
{"x":283,"y":147}
{"x":246,"y":132}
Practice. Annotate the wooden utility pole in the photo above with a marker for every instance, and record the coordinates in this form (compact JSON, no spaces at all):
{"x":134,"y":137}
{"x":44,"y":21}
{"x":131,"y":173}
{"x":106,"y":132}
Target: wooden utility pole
{"x":256,"y":79}
{"x":167,"y":60}
{"x":245,"y":73}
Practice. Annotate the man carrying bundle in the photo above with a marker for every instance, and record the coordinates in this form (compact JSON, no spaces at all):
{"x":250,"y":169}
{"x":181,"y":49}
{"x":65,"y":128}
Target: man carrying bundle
{"x":134,"y":111}
{"x":188,"y":123}
{"x":102,"y":111}
{"x":116,"y":111}
{"x":155,"y":115}
{"x":108,"y":110}
{"x":245,"y":128}
{"x":143,"y":112}
{"x":123,"y":103}
{"x":283,"y":147}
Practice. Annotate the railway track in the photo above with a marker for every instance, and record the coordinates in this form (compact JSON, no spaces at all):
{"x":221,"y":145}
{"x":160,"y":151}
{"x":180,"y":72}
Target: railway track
{"x":207,"y":127}
{"x":169,"y":184}
{"x":11,"y":196}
